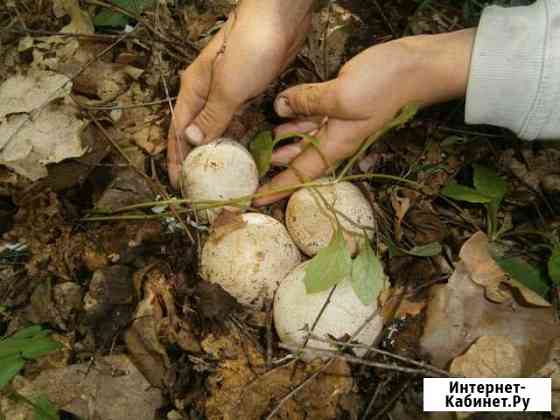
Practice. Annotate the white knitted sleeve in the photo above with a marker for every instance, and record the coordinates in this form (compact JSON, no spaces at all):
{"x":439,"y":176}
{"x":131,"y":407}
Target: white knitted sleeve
{"x":514,"y":79}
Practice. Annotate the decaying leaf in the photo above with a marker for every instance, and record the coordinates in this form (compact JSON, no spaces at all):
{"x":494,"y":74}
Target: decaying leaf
{"x":401,"y":205}
{"x":396,"y":304}
{"x":551,"y":369}
{"x":485,"y":272}
{"x":23,"y":94}
{"x":27,"y":146}
{"x":108,"y":388}
{"x":488,"y":357}
{"x":226,"y":223}
{"x":155,"y":324}
{"x":458,"y":314}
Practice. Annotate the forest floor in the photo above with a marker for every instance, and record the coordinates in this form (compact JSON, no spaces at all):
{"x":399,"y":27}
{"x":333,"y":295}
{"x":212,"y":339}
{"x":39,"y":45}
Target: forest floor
{"x":141,"y":336}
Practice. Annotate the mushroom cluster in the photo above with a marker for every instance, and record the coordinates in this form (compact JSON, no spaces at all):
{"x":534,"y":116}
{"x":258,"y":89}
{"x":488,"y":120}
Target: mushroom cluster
{"x":257,"y":258}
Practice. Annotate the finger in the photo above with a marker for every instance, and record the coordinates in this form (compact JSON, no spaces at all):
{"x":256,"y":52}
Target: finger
{"x":298,"y":126}
{"x":285,"y":154}
{"x":338,"y":140}
{"x":214,"y":118}
{"x":177,"y":151}
{"x":314,"y":99}
{"x":195,"y":85}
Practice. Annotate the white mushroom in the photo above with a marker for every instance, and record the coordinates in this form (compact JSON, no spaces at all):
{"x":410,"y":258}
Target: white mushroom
{"x":221,"y":170}
{"x":250,"y":259}
{"x":295,"y":311}
{"x":311,"y":222}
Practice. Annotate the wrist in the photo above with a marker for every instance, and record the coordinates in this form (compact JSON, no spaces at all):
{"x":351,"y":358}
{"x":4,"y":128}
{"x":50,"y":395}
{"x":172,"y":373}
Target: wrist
{"x":437,"y":66}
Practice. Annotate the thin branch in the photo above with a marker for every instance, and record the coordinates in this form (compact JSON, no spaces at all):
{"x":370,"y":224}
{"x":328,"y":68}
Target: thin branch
{"x":357,"y":360}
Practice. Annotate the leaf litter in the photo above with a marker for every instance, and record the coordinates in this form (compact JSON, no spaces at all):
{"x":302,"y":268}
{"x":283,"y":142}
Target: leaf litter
{"x":132,"y":287}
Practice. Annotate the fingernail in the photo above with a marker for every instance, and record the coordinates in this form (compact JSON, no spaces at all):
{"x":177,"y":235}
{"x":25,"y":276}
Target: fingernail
{"x":283,"y":107}
{"x":194,"y":135}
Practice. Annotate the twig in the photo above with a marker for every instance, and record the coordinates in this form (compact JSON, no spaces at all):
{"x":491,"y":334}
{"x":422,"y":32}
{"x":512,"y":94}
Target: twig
{"x":116,"y":107}
{"x":384,"y":17}
{"x":352,"y":359}
{"x":422,"y":365}
{"x":378,"y":388}
{"x":294,"y":391}
{"x":269,"y":304}
{"x":156,"y":188}
{"x":395,"y":397}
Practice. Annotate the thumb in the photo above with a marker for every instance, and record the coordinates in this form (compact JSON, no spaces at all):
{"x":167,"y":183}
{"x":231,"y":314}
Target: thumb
{"x":314,"y":99}
{"x":213,"y":120}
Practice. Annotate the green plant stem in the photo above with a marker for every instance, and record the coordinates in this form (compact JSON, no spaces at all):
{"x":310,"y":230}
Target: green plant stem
{"x":205,"y":204}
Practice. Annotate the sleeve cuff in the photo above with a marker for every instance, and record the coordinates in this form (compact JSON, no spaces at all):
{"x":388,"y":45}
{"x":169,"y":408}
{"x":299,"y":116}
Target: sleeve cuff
{"x":510,"y":65}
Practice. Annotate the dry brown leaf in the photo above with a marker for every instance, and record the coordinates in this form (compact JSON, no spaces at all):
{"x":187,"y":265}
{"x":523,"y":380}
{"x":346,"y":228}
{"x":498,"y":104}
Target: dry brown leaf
{"x":396,"y":304}
{"x":27,"y":146}
{"x":24,"y":94}
{"x":227,"y":222}
{"x":485,"y":272}
{"x":488,"y":357}
{"x":458,"y":314}
{"x":401,"y":205}
{"x":108,"y":388}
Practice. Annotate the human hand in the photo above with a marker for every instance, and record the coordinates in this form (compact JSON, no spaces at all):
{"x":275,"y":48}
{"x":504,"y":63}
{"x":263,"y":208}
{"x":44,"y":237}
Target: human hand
{"x":259,"y":40}
{"x":368,"y":93}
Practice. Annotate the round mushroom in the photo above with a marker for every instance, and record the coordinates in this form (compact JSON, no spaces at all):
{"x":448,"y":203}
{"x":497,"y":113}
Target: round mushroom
{"x":221,"y":170}
{"x":295,"y":311}
{"x":249,"y":258}
{"x":311,"y":222}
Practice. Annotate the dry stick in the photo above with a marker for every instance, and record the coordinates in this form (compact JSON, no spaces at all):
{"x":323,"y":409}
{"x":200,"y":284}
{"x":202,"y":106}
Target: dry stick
{"x":352,"y":359}
{"x":131,"y":106}
{"x":93,"y":37}
{"x":422,"y":365}
{"x":150,"y":182}
{"x":325,"y":38}
{"x":392,"y":401}
{"x":294,"y":391}
{"x":164,"y":193}
{"x":148,"y":26}
{"x":384,"y":17}
{"x":378,"y":388}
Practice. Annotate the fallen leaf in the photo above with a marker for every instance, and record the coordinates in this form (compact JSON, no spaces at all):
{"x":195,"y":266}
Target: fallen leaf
{"x":28,"y":145}
{"x":24,"y":94}
{"x":458,"y":314}
{"x":485,"y":272}
{"x":226,"y":223}
{"x":488,"y":357}
{"x":401,"y":205}
{"x":396,"y":304}
{"x":107,"y":388}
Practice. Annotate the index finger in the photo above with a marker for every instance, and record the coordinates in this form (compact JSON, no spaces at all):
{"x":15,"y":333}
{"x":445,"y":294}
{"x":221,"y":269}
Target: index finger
{"x":338,"y":139}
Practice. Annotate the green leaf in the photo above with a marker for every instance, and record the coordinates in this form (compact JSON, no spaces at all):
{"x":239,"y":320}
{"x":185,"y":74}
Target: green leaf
{"x":428,"y":250}
{"x":462,"y":193}
{"x":554,"y":266}
{"x":489,"y":183}
{"x":28,"y":332}
{"x":111,"y":18}
{"x":261,"y":149}
{"x":368,"y":277}
{"x":43,"y":409}
{"x":9,"y":367}
{"x":529,"y":276}
{"x":330,"y":266}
